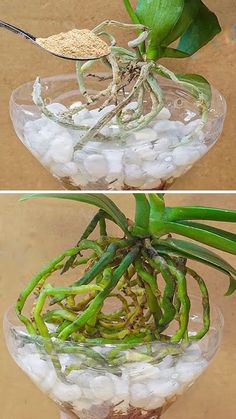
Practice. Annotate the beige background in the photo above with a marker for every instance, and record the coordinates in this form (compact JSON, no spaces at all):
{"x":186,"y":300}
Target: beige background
{"x":21,"y":62}
{"x":33,"y":232}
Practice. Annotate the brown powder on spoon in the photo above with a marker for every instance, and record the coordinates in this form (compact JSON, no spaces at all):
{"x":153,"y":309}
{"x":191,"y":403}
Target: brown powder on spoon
{"x":75,"y":43}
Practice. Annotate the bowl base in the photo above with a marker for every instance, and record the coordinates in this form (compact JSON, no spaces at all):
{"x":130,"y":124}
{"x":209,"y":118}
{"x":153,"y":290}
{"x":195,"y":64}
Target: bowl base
{"x":133,"y":413}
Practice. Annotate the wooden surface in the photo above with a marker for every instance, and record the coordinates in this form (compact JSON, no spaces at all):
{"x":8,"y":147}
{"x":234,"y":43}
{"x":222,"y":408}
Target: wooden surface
{"x":32,"y":233}
{"x":20,"y":62}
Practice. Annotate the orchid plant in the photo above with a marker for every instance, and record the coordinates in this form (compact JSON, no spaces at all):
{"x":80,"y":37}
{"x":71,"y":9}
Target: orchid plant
{"x":129,"y":269}
{"x":166,"y":28}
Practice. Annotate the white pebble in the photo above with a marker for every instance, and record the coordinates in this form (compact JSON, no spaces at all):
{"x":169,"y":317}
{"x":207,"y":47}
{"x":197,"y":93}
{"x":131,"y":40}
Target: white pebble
{"x":131,"y":157}
{"x":164,"y":114}
{"x":96,"y":165}
{"x":106,"y":110}
{"x":163,"y":389}
{"x":37,"y":143}
{"x":95,"y":114}
{"x":168,"y":373}
{"x":191,"y":126}
{"x":131,"y":140}
{"x":169,"y":128}
{"x":34,"y":126}
{"x":134,"y":175}
{"x":160,"y":170}
{"x":151,"y":183}
{"x":48,"y":382}
{"x":189,"y":371}
{"x":155,"y":403}
{"x":114,"y":160}
{"x":147,"y":372}
{"x":106,"y":131}
{"x":79,"y":156}
{"x":192,"y":353}
{"x":56,"y":108}
{"x":140,"y":395}
{"x":50,"y":131}
{"x":76,"y":105}
{"x":102,"y":388}
{"x":146,"y":134}
{"x":162,"y":144}
{"x":165,"y":157}
{"x":185,"y":155}
{"x":121,"y":385}
{"x":81,"y":405}
{"x":61,"y":170}
{"x":37,"y":366}
{"x":81,"y":116}
{"x":86,"y":122}
{"x":131,"y":106}
{"x":202,"y":148}
{"x":167,"y":362}
{"x":79,"y":180}
{"x":66,"y":393}
{"x":146,"y":153}
{"x":62,"y":150}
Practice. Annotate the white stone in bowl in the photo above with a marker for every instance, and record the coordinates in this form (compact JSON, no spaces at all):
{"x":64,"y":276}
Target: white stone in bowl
{"x":61,"y":149}
{"x":185,"y":155}
{"x":67,"y":169}
{"x":66,"y":392}
{"x":102,"y":388}
{"x":96,"y":165}
{"x":146,"y":135}
{"x":56,"y":108}
{"x":134,"y":176}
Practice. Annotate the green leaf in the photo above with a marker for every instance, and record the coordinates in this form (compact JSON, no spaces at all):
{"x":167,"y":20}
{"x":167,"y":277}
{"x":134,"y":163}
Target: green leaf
{"x":157,"y":211}
{"x":142,"y":213}
{"x":217,"y":231}
{"x":211,"y":236}
{"x":160,"y":16}
{"x":131,"y":11}
{"x":199,"y":213}
{"x":195,"y":84}
{"x":202,"y":30}
{"x":232,"y":287}
{"x":195,"y":252}
{"x":190,"y":11}
{"x":96,"y":199}
{"x":172,"y":53}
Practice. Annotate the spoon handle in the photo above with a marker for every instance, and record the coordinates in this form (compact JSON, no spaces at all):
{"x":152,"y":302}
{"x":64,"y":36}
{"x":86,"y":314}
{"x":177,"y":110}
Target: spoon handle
{"x":16,"y":30}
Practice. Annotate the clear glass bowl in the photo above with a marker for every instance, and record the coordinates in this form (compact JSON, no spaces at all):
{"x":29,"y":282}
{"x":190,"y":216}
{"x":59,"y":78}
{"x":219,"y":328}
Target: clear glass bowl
{"x":114,"y":381}
{"x":151,"y":158}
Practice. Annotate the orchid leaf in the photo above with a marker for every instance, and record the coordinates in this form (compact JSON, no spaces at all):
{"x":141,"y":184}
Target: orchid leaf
{"x":196,"y":252}
{"x":160,"y":16}
{"x":142,"y":213}
{"x":195,"y":84}
{"x":199,"y":213}
{"x":190,"y":11}
{"x":168,"y":52}
{"x":131,"y":11}
{"x":96,"y":199}
{"x":211,"y":236}
{"x":202,"y":30}
{"x":232,"y":287}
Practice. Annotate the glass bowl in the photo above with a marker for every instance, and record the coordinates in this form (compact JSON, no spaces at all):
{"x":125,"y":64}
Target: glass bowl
{"x":91,"y":381}
{"x":151,"y":158}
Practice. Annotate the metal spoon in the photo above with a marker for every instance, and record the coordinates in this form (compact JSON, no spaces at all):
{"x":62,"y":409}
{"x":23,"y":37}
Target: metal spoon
{"x":33,"y":39}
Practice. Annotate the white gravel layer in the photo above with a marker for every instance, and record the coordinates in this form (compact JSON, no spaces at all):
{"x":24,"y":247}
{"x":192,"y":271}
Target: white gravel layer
{"x":140,"y":384}
{"x":144,"y":160}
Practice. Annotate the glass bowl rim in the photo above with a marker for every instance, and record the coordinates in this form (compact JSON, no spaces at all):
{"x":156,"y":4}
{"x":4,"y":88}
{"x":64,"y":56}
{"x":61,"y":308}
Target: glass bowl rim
{"x":39,"y":339}
{"x":72,"y":76}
